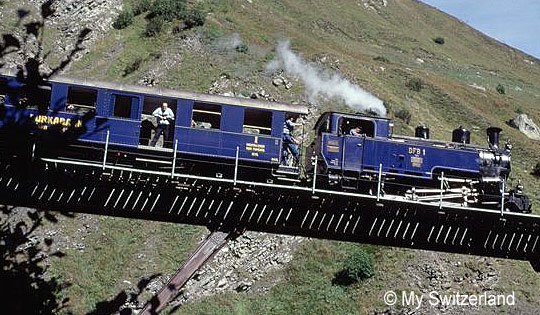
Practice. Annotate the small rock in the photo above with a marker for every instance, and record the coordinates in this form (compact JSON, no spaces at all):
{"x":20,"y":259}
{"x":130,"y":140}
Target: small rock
{"x":478,"y":87}
{"x":526,"y":126}
{"x":278,"y":81}
{"x":223,"y":282}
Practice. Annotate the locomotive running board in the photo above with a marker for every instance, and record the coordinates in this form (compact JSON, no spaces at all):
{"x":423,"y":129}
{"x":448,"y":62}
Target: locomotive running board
{"x":208,"y":248}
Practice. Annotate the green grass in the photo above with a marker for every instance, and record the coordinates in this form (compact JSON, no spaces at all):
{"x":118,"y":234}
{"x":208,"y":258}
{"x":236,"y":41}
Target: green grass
{"x":309,"y":288}
{"x":111,"y":56}
{"x":122,"y":250}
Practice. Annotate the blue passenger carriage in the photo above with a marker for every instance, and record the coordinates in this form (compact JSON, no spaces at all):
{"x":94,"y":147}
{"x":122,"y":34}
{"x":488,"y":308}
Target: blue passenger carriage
{"x":205,"y":128}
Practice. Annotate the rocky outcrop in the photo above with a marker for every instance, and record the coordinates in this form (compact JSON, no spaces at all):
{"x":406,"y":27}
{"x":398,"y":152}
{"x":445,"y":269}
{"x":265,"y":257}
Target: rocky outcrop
{"x":375,"y":5}
{"x":70,"y":17}
{"x":442,"y":274}
{"x":243,"y":264}
{"x":526,"y":126}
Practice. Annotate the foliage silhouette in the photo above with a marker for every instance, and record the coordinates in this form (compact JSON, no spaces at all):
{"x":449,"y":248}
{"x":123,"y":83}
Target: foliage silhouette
{"x":22,"y":266}
{"x":23,"y":255}
{"x":116,"y":305}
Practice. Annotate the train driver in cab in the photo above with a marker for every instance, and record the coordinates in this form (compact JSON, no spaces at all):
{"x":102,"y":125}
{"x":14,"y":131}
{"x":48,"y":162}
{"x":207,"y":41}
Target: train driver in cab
{"x":164,"y":116}
{"x":356,"y":131}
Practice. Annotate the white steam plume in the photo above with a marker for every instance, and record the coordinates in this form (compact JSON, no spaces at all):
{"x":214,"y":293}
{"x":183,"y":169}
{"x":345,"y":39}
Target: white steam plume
{"x":319,"y":83}
{"x":230,"y":42}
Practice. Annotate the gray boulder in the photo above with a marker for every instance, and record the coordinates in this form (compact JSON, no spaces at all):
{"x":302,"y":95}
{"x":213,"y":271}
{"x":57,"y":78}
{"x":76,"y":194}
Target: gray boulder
{"x":526,"y":126}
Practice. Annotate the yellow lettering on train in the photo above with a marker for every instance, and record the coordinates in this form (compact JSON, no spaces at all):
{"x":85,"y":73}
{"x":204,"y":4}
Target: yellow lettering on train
{"x":255,"y":147}
{"x":417,"y":151}
{"x":43,"y":122}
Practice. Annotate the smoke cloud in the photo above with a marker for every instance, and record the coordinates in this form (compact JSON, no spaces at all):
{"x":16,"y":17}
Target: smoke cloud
{"x":323,"y":84}
{"x":230,"y":42}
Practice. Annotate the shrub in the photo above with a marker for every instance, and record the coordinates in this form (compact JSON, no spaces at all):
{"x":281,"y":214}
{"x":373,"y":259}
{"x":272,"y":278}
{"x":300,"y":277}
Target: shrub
{"x":154,"y":27}
{"x":211,"y":32}
{"x":537,"y":169}
{"x":500,"y":89}
{"x":404,"y":115}
{"x":415,"y":84}
{"x":439,"y":40}
{"x":168,"y":10}
{"x":195,"y":18}
{"x":518,"y":110}
{"x":242,"y":48}
{"x":132,"y":67}
{"x":141,"y":6}
{"x":123,"y":20}
{"x":358,"y":266}
{"x":381,"y":59}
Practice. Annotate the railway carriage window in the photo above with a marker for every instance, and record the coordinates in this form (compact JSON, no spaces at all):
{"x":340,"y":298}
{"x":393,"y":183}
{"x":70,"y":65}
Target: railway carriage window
{"x":257,"y":122}
{"x":367,"y":127}
{"x":206,"y":115}
{"x":20,"y":96}
{"x":81,"y":100}
{"x":122,"y":106}
{"x":44,"y":96}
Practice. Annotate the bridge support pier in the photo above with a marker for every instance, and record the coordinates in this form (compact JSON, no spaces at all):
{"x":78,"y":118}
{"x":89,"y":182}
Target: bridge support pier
{"x":209,"y":247}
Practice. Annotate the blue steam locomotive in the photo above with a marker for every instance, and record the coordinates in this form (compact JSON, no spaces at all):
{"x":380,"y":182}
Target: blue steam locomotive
{"x":210,"y":133}
{"x":358,"y":150}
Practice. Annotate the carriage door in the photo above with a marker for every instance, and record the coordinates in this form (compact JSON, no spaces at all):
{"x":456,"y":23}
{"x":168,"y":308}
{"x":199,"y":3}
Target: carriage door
{"x":355,"y":132}
{"x":149,"y":123}
{"x":353,"y":153}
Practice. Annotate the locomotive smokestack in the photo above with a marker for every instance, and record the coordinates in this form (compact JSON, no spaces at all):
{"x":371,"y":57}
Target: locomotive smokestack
{"x":461,"y":135}
{"x":421,"y":132}
{"x":493,"y":136}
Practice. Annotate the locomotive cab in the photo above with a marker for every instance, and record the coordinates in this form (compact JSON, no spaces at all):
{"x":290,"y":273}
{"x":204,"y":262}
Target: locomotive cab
{"x":340,"y":141}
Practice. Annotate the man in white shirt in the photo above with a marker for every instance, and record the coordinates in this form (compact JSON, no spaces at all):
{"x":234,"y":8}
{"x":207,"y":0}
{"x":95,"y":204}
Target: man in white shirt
{"x":164,"y":116}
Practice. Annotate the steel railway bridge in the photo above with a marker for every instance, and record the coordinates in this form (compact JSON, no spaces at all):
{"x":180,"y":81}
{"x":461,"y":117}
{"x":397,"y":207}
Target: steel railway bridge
{"x":231,"y":205}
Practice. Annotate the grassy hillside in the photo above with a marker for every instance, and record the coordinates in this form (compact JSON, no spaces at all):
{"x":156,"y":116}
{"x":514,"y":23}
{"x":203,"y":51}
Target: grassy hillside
{"x":382,"y":48}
